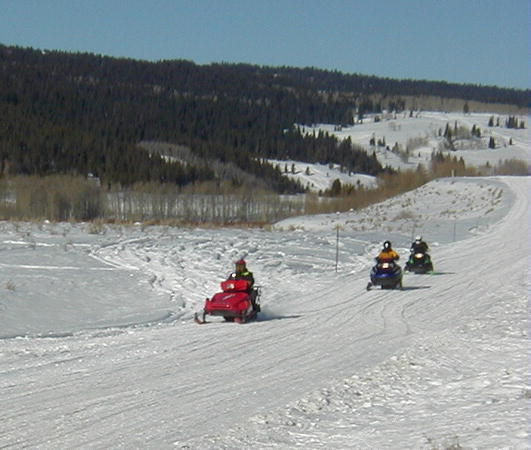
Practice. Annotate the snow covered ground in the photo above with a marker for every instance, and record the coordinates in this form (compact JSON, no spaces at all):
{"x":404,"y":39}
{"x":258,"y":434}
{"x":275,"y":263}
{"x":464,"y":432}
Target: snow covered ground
{"x":98,"y":348}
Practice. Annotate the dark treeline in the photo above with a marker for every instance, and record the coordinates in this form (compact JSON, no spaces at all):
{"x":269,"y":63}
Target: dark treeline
{"x":78,"y":113}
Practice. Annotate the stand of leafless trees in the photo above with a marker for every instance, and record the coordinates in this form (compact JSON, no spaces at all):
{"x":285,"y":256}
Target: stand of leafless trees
{"x":64,"y":198}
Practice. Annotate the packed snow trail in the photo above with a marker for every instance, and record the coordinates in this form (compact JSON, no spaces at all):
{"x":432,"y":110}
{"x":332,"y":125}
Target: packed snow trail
{"x":176,"y":384}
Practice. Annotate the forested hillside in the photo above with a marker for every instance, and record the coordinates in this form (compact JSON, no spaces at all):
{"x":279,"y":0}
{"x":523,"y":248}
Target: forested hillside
{"x":64,"y":113}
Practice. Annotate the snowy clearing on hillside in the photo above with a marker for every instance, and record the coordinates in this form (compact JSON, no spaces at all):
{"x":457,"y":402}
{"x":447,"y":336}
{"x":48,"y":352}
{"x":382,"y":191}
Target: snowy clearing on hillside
{"x":422,"y":130}
{"x":99,"y":349}
{"x":420,"y":133}
{"x":319,"y":177}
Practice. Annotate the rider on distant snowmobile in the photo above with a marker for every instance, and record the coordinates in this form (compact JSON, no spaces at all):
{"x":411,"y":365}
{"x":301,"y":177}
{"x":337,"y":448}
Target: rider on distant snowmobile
{"x":419,"y":246}
{"x":419,"y":256}
{"x":388,"y":254}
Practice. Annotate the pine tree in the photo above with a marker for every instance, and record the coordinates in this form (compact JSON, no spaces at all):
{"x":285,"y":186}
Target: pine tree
{"x":335,"y":189}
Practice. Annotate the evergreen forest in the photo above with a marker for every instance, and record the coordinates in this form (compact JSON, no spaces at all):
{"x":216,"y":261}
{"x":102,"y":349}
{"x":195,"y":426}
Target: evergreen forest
{"x":77,"y":114}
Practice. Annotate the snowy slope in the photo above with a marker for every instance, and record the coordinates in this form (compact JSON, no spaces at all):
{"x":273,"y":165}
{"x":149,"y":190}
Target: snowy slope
{"x":404,"y":129}
{"x":98,"y":348}
{"x":419,"y":132}
{"x":319,"y":177}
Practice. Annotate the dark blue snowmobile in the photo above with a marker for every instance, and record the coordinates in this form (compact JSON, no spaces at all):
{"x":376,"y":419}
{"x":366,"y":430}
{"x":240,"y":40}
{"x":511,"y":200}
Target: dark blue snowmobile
{"x":386,"y":274}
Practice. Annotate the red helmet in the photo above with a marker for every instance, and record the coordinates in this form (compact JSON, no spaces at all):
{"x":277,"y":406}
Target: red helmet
{"x":240,"y":262}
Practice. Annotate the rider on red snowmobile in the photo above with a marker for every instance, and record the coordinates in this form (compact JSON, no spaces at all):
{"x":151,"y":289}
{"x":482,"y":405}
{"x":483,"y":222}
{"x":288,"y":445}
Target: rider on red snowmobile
{"x":242,"y":273}
{"x":239,"y":299}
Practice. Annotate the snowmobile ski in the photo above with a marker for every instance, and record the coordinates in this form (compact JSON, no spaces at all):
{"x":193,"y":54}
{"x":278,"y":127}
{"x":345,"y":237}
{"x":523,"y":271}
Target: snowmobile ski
{"x":198,"y":320}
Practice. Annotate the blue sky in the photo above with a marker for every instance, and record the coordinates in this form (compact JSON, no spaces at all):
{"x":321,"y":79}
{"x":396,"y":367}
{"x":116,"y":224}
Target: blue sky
{"x":465,"y":41}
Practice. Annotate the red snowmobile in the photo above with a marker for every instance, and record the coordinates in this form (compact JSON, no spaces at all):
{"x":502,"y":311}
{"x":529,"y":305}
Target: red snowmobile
{"x":239,"y":302}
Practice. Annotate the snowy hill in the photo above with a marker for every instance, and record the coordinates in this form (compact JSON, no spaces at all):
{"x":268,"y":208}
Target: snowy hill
{"x":98,"y":348}
{"x":422,"y":131}
{"x":420,"y":134}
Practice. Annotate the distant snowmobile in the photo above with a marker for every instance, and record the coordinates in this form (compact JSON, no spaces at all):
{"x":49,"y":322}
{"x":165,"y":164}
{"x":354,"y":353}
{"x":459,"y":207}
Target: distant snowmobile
{"x":386,"y":274}
{"x":237,"y":302}
{"x":419,"y":263}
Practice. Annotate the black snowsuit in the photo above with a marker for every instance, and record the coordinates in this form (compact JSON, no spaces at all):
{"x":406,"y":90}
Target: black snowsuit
{"x":419,"y":247}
